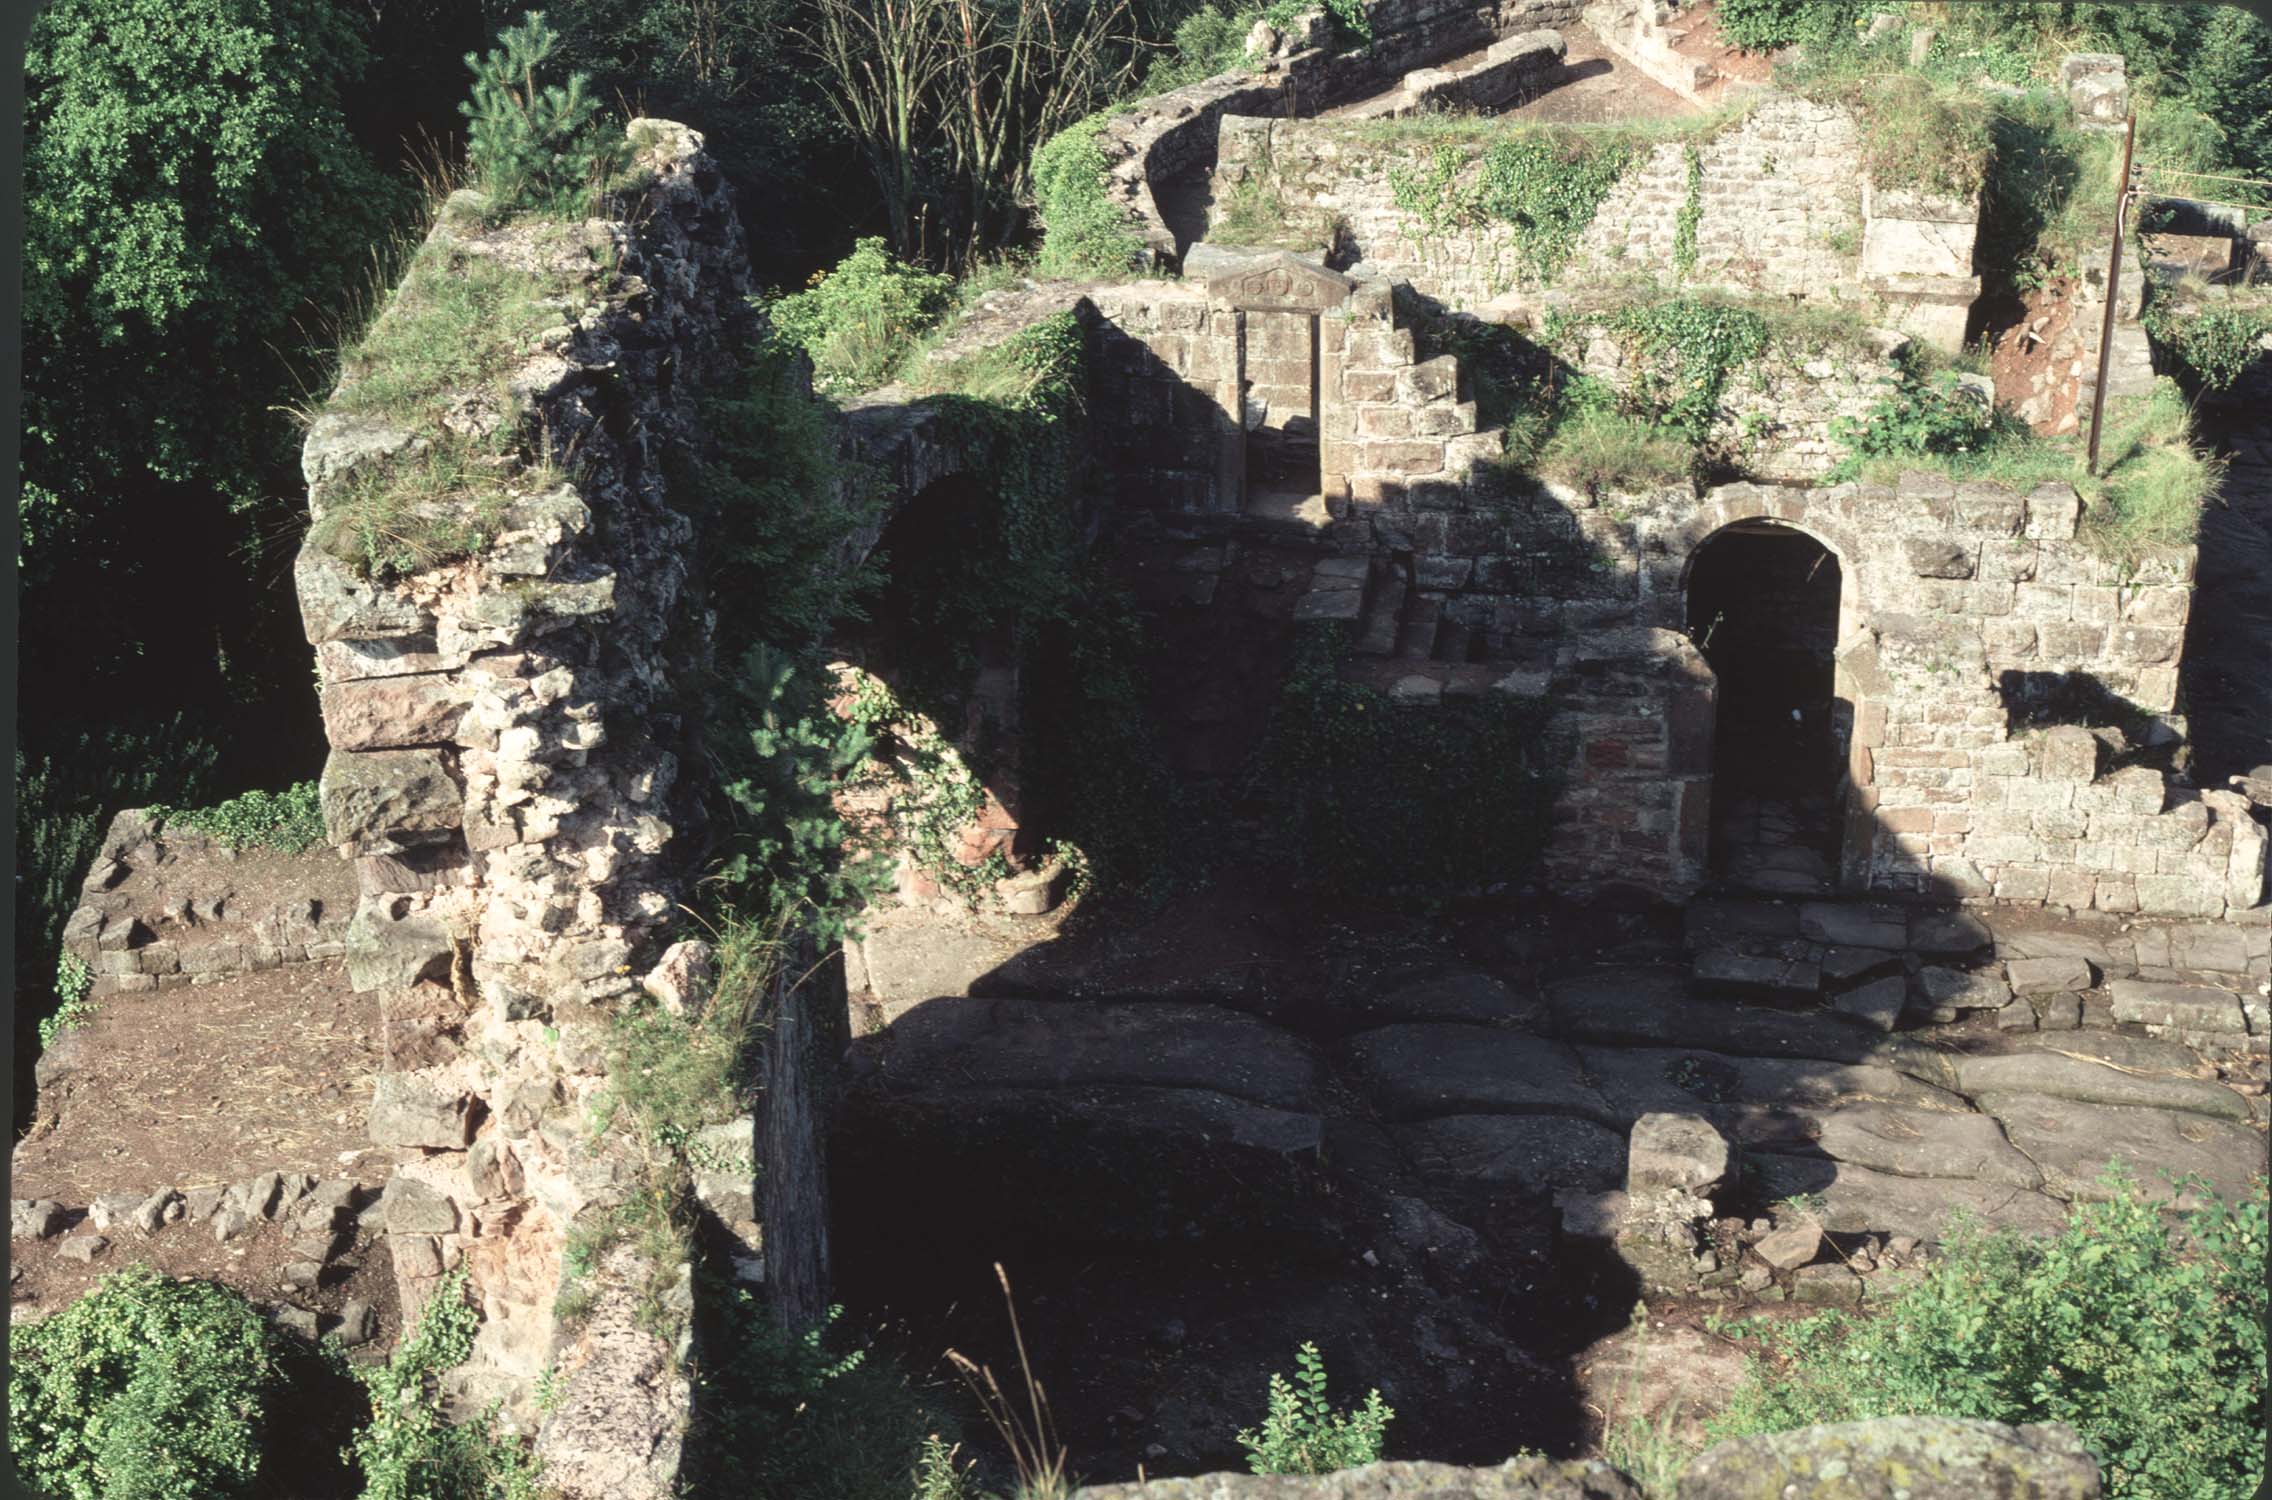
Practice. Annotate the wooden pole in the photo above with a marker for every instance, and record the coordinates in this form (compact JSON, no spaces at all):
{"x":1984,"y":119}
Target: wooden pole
{"x":2113,"y":292}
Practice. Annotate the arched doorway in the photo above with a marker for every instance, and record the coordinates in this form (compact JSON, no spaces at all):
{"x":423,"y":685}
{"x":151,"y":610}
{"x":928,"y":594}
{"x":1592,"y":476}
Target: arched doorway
{"x":1763,"y":608}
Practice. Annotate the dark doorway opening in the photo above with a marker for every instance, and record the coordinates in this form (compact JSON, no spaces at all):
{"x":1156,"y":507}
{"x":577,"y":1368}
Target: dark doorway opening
{"x":1282,"y":404}
{"x":1763,"y":608}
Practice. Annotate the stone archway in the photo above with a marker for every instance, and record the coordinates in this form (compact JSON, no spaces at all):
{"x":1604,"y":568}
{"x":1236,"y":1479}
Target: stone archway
{"x":1763,"y":603}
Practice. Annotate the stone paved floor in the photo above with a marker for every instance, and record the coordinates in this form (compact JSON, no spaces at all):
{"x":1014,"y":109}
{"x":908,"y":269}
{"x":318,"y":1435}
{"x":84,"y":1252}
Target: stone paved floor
{"x":1806,"y":1032}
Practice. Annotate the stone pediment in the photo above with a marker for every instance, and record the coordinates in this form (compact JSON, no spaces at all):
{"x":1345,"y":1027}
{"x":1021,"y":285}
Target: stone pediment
{"x":1278,"y":280}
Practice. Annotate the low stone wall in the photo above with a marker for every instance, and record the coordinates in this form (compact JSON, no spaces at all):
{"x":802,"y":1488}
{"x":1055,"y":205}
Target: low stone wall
{"x":1924,"y":1458}
{"x":167,"y":907}
{"x":1171,"y":134}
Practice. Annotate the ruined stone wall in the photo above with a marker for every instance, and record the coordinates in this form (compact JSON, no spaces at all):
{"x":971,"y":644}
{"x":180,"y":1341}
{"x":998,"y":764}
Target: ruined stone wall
{"x":1779,"y":414}
{"x":1782,"y":210}
{"x":506,"y":777}
{"x":1170,"y":134}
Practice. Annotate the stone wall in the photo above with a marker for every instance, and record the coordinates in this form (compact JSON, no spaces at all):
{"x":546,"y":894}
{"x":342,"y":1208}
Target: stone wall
{"x":508,"y":739}
{"x":1968,"y":615}
{"x":1782,"y":211}
{"x":1171,"y":134}
{"x":1923,"y":1458}
{"x":1779,"y":413}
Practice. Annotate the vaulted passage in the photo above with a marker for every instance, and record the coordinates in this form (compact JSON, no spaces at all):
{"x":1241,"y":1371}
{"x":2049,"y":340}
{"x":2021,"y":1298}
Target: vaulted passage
{"x":1763,"y":608}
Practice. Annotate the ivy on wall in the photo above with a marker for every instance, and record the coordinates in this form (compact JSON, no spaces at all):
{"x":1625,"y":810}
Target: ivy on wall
{"x":1691,"y":212}
{"x":1545,"y":186}
{"x":1681,"y":351}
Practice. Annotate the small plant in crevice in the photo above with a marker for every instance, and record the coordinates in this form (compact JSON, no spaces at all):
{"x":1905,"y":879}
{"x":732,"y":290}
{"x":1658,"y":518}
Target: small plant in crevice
{"x":409,"y":1449}
{"x":72,"y":980}
{"x":1302,"y":1434}
{"x":1690,"y":215}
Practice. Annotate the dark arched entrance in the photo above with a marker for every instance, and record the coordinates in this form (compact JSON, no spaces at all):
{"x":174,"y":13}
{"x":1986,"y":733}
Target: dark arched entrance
{"x":1763,"y":608}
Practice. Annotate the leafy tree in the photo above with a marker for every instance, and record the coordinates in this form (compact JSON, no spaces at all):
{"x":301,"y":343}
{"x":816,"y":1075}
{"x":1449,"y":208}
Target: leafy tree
{"x":196,"y":215}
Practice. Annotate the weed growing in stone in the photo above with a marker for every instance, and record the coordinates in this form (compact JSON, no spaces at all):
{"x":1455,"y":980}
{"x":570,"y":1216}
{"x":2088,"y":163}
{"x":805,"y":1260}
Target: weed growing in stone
{"x":289,"y":821}
{"x":410,"y":1450}
{"x":1303,"y":1434}
{"x":1084,"y":232}
{"x":2214,"y":344}
{"x":73,"y":1008}
{"x":2145,"y":1336}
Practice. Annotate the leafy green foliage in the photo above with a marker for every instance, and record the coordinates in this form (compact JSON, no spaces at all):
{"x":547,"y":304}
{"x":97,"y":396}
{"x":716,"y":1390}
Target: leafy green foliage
{"x":1919,"y":419}
{"x":1375,"y":797}
{"x":1682,"y":351}
{"x":783,"y":1416}
{"x":72,"y":980}
{"x":1084,"y":233}
{"x":535,"y":146}
{"x":2214,"y":344}
{"x":1601,"y":450}
{"x":1543,"y":184}
{"x":289,"y":821}
{"x":1303,"y":1434}
{"x":1765,"y":25}
{"x":2149,"y":1342}
{"x":144,"y":1388}
{"x":780,"y":756}
{"x":410,"y":1450}
{"x":858,"y":321}
{"x":1690,"y":215}
{"x":776,"y":503}
{"x":196,"y":205}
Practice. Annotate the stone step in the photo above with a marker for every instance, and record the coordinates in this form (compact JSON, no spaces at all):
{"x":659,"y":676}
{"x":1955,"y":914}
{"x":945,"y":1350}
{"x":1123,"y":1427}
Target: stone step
{"x":1384,"y":614}
{"x":1733,"y":972}
{"x":1416,"y":633}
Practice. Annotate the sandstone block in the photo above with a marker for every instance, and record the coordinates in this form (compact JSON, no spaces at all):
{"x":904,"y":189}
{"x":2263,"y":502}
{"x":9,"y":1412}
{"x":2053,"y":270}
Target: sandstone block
{"x":1675,"y":1151}
{"x":1921,"y":1458}
{"x":413,"y":1208}
{"x":374,"y":795}
{"x":407,"y":1111}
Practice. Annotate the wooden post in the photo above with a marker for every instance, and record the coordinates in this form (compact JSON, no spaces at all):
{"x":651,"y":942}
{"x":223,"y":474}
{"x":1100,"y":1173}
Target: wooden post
{"x":2113,"y":291}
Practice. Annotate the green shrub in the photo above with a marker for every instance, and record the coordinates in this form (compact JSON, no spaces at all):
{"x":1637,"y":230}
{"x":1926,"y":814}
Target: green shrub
{"x":144,"y":1388}
{"x":2215,"y":344}
{"x":1920,"y":419}
{"x":1599,"y":449}
{"x":290,"y":821}
{"x":534,"y":147}
{"x":409,"y":1450}
{"x":777,"y":506}
{"x":859,"y":320}
{"x":1766,"y":25}
{"x":781,"y":1416}
{"x":1303,"y":1434}
{"x":1083,"y":232}
{"x":2148,"y":1340}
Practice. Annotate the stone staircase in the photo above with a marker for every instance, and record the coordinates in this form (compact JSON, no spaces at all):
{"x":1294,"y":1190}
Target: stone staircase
{"x":1904,"y":968}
